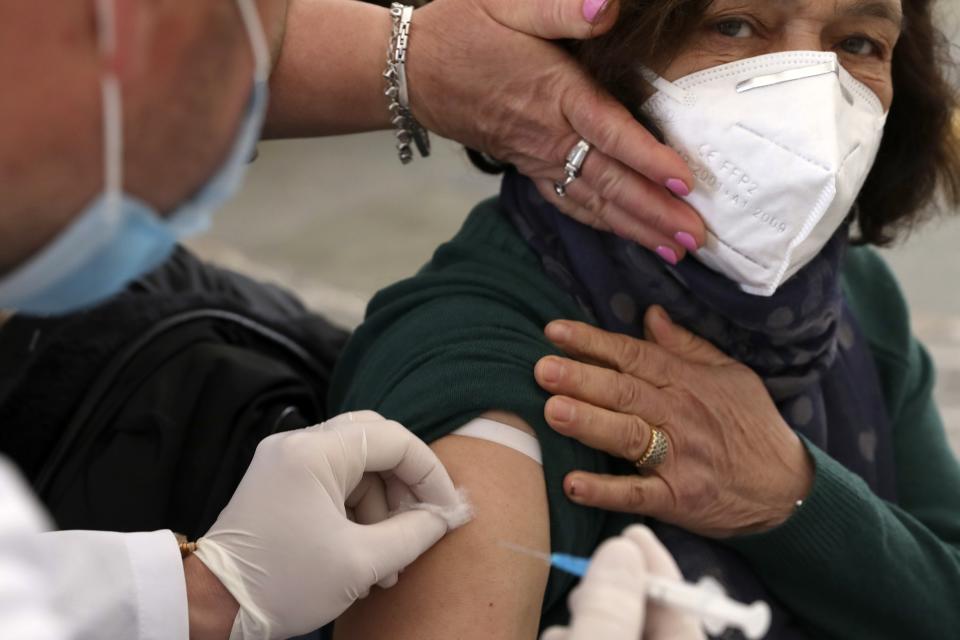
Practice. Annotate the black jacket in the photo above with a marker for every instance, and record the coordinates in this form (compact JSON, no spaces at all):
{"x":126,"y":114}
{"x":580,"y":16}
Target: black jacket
{"x":144,"y":413}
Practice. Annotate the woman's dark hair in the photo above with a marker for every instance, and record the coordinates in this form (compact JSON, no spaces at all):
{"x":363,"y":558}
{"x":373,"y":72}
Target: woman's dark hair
{"x":920,"y":152}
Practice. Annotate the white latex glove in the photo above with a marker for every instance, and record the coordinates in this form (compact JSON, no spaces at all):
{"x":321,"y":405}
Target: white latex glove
{"x":663,"y":621}
{"x":284,"y":546}
{"x":611,"y":602}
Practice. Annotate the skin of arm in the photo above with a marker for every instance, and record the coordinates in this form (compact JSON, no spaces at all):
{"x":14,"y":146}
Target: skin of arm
{"x":349,"y":39}
{"x":469,"y":586}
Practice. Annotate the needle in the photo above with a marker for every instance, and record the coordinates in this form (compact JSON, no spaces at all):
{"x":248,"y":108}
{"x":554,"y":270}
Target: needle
{"x":706,"y":599}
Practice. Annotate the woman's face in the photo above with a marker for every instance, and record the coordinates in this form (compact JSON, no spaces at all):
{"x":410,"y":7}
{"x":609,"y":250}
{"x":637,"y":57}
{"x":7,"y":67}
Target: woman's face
{"x":863,"y":33}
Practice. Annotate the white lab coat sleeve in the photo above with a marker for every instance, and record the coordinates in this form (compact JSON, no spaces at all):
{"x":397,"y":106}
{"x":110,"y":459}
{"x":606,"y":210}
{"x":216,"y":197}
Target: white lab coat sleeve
{"x":116,"y":585}
{"x":26,"y":606}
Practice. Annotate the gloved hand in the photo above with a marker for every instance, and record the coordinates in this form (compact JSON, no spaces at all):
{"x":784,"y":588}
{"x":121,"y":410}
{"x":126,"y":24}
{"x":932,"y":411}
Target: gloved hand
{"x":611,"y":602}
{"x":284,"y":546}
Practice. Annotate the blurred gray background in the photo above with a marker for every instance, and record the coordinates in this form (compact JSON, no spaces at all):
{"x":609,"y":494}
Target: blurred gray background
{"x":336,"y":219}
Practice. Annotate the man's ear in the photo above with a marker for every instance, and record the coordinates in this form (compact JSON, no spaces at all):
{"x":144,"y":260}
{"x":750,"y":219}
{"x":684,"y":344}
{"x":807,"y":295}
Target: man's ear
{"x":134,"y":24}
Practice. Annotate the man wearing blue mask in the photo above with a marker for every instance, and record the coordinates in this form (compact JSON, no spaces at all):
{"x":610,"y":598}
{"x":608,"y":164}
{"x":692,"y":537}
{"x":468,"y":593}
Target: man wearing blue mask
{"x":147,"y":129}
{"x":130,"y":124}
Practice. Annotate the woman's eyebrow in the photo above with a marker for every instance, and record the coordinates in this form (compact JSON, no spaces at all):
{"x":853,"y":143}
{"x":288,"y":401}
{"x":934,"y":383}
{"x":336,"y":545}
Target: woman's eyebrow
{"x":883,"y":9}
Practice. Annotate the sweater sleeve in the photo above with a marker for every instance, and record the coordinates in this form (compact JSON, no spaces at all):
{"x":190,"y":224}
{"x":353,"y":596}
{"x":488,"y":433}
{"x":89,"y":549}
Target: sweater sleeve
{"x":853,"y":565}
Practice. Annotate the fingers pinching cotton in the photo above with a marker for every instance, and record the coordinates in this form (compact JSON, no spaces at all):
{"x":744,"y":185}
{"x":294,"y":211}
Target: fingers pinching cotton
{"x":393,"y":544}
{"x":369,"y":500}
{"x":388,"y":446}
{"x":398,"y":493}
{"x":284,"y":547}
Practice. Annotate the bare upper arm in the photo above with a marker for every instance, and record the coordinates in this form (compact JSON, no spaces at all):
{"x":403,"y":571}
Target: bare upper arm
{"x":469,"y":585}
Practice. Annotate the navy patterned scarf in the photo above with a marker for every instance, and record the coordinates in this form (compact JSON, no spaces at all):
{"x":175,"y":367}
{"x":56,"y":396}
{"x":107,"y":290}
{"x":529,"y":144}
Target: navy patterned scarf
{"x":803,"y":342}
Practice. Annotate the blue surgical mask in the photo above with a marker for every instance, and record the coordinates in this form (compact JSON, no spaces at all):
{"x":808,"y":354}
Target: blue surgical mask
{"x":118,"y":237}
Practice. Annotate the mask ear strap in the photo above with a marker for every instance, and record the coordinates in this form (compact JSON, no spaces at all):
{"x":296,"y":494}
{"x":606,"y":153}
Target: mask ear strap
{"x":258,"y":39}
{"x":664,"y":86}
{"x":112,"y":106}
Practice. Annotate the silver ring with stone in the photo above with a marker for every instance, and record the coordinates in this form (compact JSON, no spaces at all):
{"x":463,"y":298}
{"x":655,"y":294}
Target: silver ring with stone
{"x":573,"y":167}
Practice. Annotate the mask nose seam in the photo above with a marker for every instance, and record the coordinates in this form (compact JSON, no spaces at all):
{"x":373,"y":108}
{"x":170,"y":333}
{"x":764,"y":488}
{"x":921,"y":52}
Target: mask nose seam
{"x":752,"y":64}
{"x":790,"y":75}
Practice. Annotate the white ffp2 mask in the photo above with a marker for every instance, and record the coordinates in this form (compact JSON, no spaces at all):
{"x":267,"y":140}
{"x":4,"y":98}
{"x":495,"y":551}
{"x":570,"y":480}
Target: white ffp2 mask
{"x":780,"y":146}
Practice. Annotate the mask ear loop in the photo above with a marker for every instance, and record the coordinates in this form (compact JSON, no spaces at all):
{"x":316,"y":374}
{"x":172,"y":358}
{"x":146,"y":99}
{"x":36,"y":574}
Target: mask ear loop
{"x":666,"y":87}
{"x":112,"y":104}
{"x":258,"y":40}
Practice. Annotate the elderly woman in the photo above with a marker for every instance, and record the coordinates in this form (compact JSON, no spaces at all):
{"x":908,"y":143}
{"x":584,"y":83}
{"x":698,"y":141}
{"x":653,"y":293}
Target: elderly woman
{"x":779,"y":411}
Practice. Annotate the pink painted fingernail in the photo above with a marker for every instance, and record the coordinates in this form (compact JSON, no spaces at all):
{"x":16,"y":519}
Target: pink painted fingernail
{"x":687,"y":241}
{"x":593,"y":8}
{"x":678,"y":187}
{"x":668,"y":255}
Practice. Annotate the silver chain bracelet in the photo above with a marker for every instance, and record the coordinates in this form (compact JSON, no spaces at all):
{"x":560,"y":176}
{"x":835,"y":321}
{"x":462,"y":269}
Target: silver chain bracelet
{"x":407,"y":128}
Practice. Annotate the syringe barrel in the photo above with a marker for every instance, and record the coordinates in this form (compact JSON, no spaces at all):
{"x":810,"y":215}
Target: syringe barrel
{"x":709,"y":605}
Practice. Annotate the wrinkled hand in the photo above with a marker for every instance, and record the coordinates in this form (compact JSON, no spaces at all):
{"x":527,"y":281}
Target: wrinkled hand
{"x":734,"y":465}
{"x":284,"y":546}
{"x":483,"y":73}
{"x":611,"y":602}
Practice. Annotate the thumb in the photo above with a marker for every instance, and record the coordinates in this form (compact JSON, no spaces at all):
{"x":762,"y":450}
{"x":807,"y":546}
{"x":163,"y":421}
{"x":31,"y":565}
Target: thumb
{"x":663,"y":622}
{"x":555,"y":19}
{"x":610,"y":602}
{"x":555,"y":633}
{"x":395,"y":543}
{"x":660,"y":329}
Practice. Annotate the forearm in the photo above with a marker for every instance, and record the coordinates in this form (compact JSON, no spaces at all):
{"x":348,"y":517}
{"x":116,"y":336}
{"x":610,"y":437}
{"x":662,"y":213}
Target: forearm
{"x":853,"y":566}
{"x":328,"y":75}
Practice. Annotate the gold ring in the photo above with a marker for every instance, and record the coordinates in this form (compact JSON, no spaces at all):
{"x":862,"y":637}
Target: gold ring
{"x":656,"y":451}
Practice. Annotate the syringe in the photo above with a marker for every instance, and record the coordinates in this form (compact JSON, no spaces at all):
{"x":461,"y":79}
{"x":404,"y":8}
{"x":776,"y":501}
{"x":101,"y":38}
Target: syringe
{"x":706,"y":600}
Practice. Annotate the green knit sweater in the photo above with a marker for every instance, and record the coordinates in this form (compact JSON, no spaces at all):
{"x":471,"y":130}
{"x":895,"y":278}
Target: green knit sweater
{"x":462,"y":337}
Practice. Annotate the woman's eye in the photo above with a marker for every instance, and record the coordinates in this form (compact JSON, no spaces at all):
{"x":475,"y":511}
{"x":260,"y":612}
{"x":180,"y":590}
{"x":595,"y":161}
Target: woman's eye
{"x":859,"y":46}
{"x":734,"y":28}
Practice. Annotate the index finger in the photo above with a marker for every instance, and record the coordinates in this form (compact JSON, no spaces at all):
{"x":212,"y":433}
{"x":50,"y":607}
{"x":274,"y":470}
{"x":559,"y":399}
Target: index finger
{"x":391,"y":447}
{"x":626,"y":354}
